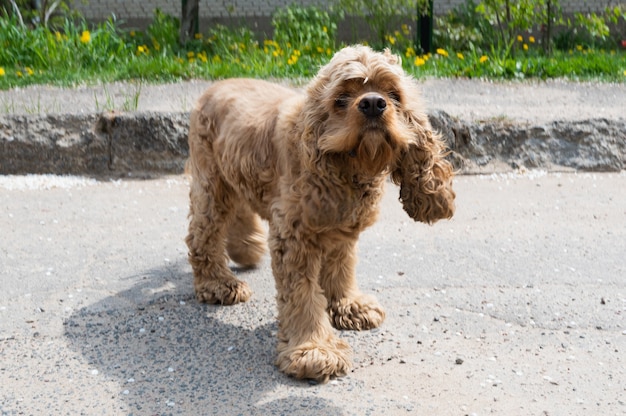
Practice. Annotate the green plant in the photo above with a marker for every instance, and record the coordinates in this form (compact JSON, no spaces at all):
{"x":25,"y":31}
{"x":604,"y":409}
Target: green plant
{"x":464,"y":28}
{"x":305,"y":28}
{"x":381,"y":14}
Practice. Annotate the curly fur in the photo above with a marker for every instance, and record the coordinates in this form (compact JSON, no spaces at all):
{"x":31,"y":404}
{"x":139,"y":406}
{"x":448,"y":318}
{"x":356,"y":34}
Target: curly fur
{"x":314,"y":166}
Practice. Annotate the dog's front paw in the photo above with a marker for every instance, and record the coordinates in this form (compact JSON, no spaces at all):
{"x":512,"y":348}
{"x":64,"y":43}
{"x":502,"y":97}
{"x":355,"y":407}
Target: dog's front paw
{"x":315,"y":361}
{"x":227,"y":292}
{"x":359,"y":313}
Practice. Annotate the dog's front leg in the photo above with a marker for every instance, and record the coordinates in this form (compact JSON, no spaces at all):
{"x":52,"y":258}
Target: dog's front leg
{"x":307,"y":346}
{"x":348,"y":307}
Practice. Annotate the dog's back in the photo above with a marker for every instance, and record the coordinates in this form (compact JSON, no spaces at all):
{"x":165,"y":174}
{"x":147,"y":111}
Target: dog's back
{"x":235,"y":122}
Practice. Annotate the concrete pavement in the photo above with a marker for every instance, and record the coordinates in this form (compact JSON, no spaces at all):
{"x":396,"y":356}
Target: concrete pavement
{"x":514,"y":307}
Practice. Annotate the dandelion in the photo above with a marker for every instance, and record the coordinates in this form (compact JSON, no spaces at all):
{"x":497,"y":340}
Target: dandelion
{"x":325,"y":29}
{"x":2,"y":73}
{"x":320,"y":49}
{"x":525,"y":47}
{"x":29,"y":71}
{"x":531,"y":39}
{"x":197,"y":36}
{"x":132,"y":33}
{"x":328,"y":51}
{"x":293,"y":59}
{"x":460,"y":56}
{"x":419,"y":61}
{"x":216,"y":59}
{"x":483,"y":59}
{"x":405,"y":29}
{"x":142,"y":49}
{"x":579,"y":47}
{"x":85,"y":37}
{"x":442,"y":52}
{"x":202,"y":56}
{"x":391,"y":39}
{"x":58,"y":36}
{"x":409,"y":52}
{"x":190,"y":54}
{"x":19,"y":74}
{"x":520,"y":38}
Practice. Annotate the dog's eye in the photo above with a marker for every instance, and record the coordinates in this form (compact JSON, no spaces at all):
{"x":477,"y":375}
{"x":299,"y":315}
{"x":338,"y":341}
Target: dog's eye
{"x":395,"y":96}
{"x":341,"y":101}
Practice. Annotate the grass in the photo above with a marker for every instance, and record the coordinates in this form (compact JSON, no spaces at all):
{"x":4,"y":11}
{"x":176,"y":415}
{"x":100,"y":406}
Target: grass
{"x":76,"y":54}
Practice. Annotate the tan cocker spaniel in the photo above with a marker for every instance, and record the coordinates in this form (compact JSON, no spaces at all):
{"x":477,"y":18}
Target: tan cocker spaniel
{"x":313,"y":164}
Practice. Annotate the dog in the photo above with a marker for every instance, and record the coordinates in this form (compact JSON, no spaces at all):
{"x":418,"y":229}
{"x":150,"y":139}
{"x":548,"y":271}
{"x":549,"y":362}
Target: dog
{"x":313,"y":164}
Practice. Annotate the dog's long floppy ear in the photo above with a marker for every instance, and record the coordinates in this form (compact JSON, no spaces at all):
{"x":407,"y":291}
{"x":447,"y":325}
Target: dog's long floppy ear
{"x":424,"y":175}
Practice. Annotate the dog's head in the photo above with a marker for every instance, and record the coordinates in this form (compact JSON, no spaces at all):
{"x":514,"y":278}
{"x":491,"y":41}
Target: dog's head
{"x":363,"y":105}
{"x":355,"y":104}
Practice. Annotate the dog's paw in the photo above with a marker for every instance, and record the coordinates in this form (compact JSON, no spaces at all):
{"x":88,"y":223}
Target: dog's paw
{"x":359,"y":313}
{"x":315,"y":361}
{"x":227,"y":292}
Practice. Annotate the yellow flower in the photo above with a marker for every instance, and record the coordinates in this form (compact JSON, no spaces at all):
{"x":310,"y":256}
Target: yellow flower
{"x":531,"y":39}
{"x":460,"y":56}
{"x":19,"y":74}
{"x":190,"y":54}
{"x":192,"y":60}
{"x":320,"y":49}
{"x":409,"y":52}
{"x":483,"y":59}
{"x":442,"y":52}
{"x":325,"y":29}
{"x":2,"y":73}
{"x":141,"y":49}
{"x":292,"y":60}
{"x":85,"y":37}
{"x":419,"y":61}
{"x":216,"y":59}
{"x":132,"y":33}
{"x":29,"y":70}
{"x":520,"y":38}
{"x":579,"y":47}
{"x":391,"y":39}
{"x":405,"y":29}
{"x":198,"y":35}
{"x":58,"y":36}
{"x":328,"y":51}
{"x":525,"y":46}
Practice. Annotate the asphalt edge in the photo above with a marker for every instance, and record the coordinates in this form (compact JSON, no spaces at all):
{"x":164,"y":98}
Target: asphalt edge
{"x":155,"y":143}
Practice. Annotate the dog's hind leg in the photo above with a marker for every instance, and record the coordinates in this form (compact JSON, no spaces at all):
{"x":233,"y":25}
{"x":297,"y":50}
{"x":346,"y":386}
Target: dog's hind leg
{"x":246,"y":239}
{"x":348,"y":307}
{"x":211,"y":213}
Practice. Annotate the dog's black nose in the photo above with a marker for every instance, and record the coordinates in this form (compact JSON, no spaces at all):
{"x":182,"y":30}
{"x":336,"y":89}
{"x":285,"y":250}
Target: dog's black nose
{"x":372,"y":105}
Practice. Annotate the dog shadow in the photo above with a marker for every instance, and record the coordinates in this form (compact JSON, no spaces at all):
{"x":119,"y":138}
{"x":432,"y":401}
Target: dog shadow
{"x":171,"y":354}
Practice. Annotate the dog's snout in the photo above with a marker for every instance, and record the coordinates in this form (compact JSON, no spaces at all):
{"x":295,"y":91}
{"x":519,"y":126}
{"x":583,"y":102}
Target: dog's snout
{"x":372,"y":105}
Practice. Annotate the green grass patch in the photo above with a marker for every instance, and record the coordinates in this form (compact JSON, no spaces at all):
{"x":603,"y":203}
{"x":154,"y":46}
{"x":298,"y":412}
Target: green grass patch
{"x":77,"y":54}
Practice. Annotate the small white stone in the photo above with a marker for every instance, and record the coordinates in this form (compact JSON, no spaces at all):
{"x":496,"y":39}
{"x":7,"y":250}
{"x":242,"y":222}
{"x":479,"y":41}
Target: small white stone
{"x":126,"y":392}
{"x":94,"y":372}
{"x":170,"y":369}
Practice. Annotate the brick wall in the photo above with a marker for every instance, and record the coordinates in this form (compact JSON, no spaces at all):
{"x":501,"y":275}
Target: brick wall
{"x":211,"y":9}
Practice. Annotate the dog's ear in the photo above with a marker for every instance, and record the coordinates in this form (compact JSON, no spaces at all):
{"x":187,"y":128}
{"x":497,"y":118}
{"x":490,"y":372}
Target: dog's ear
{"x":424,"y":175}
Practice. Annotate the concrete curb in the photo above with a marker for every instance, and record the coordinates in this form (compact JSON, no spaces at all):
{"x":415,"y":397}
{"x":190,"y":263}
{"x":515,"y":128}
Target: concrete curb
{"x":156,"y":143}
